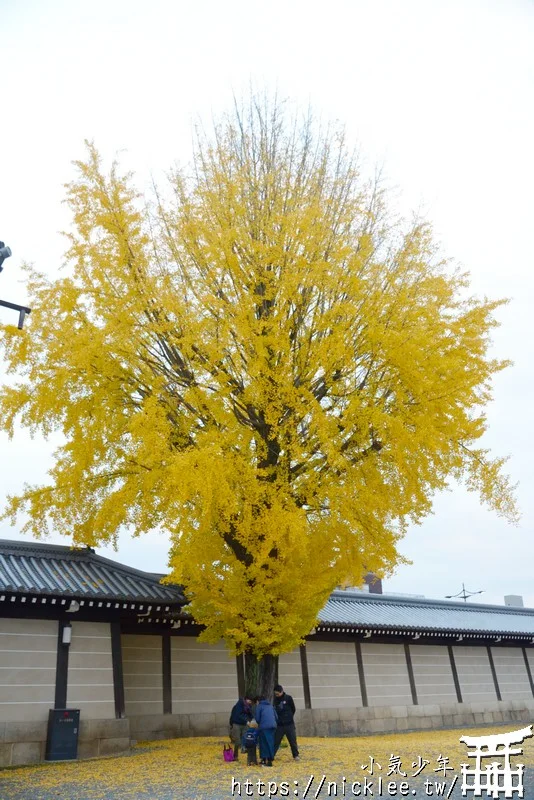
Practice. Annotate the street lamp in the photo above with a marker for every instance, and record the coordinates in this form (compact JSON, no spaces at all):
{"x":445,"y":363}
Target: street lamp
{"x":5,"y":252}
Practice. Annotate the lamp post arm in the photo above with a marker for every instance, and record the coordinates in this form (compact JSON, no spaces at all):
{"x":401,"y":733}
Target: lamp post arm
{"x":5,"y":252}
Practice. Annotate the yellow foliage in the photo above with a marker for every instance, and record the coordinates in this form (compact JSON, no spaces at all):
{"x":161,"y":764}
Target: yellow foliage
{"x":260,"y":364}
{"x":193,"y":768}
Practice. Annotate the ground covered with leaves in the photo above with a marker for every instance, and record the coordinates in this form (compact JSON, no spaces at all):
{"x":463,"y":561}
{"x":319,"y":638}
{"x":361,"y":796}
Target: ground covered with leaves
{"x":193,"y":769}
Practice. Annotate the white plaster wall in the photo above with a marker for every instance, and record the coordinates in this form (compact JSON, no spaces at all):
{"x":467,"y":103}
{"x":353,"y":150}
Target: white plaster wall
{"x":386,"y":674}
{"x":204,"y":677}
{"x":474,"y":674}
{"x":530,"y":656}
{"x":434,"y":681}
{"x":333,"y":674}
{"x":90,"y":677}
{"x":143,"y":674}
{"x":28,"y":655}
{"x":290,"y":676}
{"x":511,"y":673}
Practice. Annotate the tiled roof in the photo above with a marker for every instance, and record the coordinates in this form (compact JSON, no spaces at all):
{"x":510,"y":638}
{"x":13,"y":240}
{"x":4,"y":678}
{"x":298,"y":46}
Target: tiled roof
{"x":47,"y":569}
{"x":389,"y":614}
{"x":58,"y":570}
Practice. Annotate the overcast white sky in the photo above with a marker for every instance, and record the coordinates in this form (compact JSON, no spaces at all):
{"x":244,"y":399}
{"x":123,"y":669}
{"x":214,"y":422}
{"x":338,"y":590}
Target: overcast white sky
{"x":440,"y":91}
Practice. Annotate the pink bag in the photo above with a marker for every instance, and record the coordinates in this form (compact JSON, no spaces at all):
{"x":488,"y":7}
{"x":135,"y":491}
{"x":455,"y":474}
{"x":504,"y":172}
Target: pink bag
{"x":228,"y":752}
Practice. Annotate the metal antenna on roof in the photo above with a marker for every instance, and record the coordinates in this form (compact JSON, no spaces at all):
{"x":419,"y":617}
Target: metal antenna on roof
{"x":464,"y":594}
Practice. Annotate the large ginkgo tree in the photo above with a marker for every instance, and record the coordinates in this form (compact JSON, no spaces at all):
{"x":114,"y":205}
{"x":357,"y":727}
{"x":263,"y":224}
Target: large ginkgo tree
{"x":259,"y":361}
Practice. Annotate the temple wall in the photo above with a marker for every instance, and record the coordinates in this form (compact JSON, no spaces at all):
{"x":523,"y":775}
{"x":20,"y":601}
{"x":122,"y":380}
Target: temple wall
{"x":386,"y":674}
{"x":90,"y":675}
{"x":290,"y":676}
{"x":143,"y":674}
{"x":333,"y":674}
{"x":347,"y":697}
{"x":204,"y":677}
{"x":434,"y":681}
{"x":511,"y":672}
{"x":28,"y":654}
{"x":474,"y":673}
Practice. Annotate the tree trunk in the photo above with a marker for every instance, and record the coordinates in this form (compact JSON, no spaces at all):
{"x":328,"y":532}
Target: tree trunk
{"x":260,"y":676}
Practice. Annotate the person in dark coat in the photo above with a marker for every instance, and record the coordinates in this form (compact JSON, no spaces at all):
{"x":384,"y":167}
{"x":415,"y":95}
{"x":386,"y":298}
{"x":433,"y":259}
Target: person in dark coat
{"x":267,"y":720}
{"x":240,"y":716}
{"x":285,"y":710}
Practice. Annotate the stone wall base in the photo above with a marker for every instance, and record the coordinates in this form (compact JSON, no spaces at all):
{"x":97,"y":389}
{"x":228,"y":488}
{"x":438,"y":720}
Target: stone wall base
{"x":391,"y":719}
{"x":346,"y":721}
{"x":170,"y":726}
{"x":25,"y":742}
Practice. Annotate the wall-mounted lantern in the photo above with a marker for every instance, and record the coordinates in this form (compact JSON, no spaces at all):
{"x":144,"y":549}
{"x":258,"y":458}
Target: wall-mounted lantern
{"x":66,"y":637}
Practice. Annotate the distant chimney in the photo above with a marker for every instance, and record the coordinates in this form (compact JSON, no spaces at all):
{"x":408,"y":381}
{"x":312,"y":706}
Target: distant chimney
{"x":375,"y":584}
{"x":512,"y":600}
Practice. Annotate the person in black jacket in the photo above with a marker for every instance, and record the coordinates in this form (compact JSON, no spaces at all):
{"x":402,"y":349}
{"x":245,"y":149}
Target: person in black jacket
{"x":240,"y":716}
{"x":285,"y":709}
